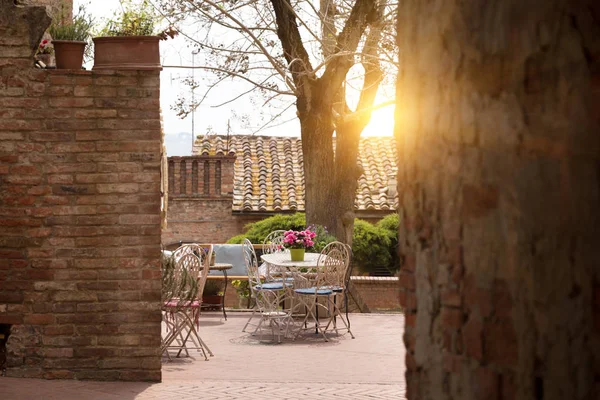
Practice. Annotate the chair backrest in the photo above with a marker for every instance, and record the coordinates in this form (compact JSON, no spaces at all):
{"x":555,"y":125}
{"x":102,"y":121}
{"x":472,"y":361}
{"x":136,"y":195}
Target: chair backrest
{"x":332,"y":265}
{"x":189,"y":274}
{"x":189,"y":248}
{"x":273,"y":243}
{"x":251,"y":262}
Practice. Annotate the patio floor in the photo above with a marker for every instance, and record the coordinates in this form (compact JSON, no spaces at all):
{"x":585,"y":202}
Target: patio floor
{"x":370,"y":366}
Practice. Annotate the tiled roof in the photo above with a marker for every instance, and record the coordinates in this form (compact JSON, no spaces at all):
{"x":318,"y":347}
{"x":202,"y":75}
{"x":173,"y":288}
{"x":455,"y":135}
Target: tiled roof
{"x":269,"y":174}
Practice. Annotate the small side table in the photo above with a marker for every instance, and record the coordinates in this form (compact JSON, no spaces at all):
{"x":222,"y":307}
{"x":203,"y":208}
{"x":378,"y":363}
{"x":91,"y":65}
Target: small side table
{"x":223,"y":267}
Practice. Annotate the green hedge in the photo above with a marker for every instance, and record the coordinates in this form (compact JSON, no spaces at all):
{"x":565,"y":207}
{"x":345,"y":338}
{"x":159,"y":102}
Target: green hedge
{"x":256,"y":232}
{"x":373,"y":246}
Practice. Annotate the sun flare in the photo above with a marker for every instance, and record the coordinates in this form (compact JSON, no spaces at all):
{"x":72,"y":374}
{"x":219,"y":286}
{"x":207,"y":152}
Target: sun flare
{"x":382,"y":122}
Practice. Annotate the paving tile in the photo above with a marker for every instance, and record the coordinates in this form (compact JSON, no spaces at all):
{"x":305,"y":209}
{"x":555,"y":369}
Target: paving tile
{"x":245,"y":367}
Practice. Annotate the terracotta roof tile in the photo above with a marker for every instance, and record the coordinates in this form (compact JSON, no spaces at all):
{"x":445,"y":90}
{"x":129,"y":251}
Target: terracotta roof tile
{"x":269,"y":172}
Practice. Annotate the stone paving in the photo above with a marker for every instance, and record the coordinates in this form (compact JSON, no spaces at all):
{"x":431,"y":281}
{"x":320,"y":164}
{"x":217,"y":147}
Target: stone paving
{"x":244,"y":367}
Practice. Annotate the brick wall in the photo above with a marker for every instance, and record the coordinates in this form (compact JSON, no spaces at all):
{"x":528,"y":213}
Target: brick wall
{"x":499,"y":158}
{"x":79,"y":214}
{"x":200,"y":199}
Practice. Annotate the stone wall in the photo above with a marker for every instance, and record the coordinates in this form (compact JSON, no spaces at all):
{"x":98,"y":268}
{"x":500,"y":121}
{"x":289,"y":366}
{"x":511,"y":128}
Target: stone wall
{"x":79,"y":214}
{"x":499,"y":155}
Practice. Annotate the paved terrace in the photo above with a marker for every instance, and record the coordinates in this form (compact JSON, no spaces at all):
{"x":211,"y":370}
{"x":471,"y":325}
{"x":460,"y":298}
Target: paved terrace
{"x":368,"y":367}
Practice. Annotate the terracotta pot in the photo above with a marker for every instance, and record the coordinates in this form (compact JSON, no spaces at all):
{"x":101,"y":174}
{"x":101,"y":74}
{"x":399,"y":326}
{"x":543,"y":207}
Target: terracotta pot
{"x":69,"y":54}
{"x":211,"y":301}
{"x":127,"y":52}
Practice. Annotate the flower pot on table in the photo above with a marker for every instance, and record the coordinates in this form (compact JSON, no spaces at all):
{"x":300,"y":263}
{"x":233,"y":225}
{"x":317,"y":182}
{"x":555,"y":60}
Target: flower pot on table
{"x":297,"y":254}
{"x":127,"y":52}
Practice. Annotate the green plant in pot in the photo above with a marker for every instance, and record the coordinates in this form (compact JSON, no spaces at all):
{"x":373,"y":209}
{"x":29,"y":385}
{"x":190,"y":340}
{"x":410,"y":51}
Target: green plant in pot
{"x":70,"y":37}
{"x":130,"y":40}
{"x":212,"y":296}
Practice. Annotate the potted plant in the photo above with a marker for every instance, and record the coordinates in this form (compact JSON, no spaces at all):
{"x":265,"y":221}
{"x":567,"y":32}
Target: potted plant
{"x":129,"y":40}
{"x":242,"y":288}
{"x":298,"y":242}
{"x":212,"y":297}
{"x":44,"y":53}
{"x":70,"y":38}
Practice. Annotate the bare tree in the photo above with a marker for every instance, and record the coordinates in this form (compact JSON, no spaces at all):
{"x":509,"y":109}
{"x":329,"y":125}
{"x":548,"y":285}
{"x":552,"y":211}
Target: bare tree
{"x":296,"y":53}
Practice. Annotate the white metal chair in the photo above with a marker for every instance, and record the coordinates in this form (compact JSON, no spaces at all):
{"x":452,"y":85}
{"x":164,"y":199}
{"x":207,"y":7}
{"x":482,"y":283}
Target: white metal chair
{"x":329,"y":281}
{"x":182,"y":302}
{"x":268,"y":296}
{"x":273,"y":243}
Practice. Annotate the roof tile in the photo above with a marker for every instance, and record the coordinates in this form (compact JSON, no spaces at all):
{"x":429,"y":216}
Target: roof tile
{"x":269,"y":173}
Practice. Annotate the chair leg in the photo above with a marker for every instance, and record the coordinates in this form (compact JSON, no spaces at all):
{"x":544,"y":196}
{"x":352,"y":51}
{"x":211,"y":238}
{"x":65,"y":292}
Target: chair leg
{"x":249,"y":319}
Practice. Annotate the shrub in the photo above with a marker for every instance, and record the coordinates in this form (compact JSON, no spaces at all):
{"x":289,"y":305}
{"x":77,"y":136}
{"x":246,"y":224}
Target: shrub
{"x":256,"y":232}
{"x":322,"y":239}
{"x":370,"y":247}
{"x":390,"y":225}
{"x":373,"y":246}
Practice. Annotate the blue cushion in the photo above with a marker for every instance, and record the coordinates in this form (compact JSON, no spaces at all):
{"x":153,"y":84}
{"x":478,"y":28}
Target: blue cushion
{"x":271,"y":286}
{"x":290,"y":280}
{"x":320,"y":292}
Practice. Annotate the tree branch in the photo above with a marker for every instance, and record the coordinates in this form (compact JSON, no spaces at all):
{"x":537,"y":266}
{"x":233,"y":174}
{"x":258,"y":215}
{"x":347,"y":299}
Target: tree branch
{"x":347,"y":42}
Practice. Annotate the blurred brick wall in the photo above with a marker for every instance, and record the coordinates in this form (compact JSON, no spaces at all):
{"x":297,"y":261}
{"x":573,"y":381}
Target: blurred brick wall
{"x":499,"y":155}
{"x":79,"y":214}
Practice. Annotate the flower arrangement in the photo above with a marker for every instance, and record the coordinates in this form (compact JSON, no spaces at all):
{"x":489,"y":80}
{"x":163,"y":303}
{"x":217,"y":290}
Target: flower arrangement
{"x":298,"y":239}
{"x":44,"y":48}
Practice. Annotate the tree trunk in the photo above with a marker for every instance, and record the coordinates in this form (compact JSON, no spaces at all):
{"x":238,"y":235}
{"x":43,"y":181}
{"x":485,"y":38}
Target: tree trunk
{"x":319,"y":176}
{"x":499,"y":156}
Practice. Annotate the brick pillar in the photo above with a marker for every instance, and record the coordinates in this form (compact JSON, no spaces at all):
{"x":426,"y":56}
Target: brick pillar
{"x":497,"y":131}
{"x":80,"y":154}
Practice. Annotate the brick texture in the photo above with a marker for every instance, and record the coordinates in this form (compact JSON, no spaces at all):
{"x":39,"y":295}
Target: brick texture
{"x":79,"y":217}
{"x":499,"y":151}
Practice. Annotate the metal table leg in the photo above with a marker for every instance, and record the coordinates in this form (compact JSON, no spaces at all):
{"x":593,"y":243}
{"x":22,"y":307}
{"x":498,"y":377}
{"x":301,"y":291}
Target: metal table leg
{"x":223,"y":299}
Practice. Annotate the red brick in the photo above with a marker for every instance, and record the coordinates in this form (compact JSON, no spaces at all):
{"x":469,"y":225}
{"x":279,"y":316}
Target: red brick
{"x":39,"y":319}
{"x":476,"y":298}
{"x":451,"y":318}
{"x":500,"y":343}
{"x":473,"y":340}
{"x":450,"y":297}
{"x":407,"y":281}
{"x":409,"y":263}
{"x":484,"y":383}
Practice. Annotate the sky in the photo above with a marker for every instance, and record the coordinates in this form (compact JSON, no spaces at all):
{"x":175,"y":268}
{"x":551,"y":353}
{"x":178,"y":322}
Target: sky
{"x":178,"y":132}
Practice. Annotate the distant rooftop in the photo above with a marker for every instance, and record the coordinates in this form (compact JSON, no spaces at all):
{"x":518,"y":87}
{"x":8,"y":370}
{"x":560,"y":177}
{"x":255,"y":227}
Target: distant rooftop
{"x":269,"y":175}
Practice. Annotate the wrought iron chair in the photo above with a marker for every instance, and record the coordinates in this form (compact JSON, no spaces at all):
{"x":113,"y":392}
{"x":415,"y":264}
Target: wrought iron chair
{"x":182,"y":291}
{"x":273,"y":243}
{"x":268,"y":296}
{"x":330,"y":281}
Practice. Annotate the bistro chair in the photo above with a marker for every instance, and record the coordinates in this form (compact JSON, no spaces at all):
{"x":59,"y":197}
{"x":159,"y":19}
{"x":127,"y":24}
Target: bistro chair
{"x":182,"y":290}
{"x":268,"y":297}
{"x":273,"y":243}
{"x":329,"y":281}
